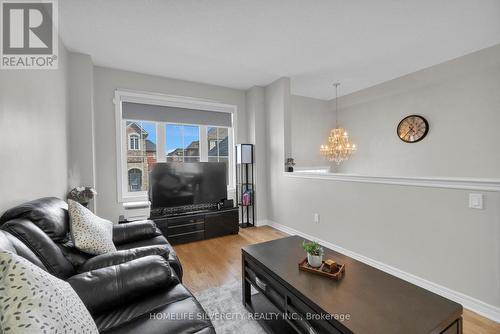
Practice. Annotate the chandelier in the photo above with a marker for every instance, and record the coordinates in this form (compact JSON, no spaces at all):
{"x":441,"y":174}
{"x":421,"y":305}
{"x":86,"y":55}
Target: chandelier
{"x":339,"y":147}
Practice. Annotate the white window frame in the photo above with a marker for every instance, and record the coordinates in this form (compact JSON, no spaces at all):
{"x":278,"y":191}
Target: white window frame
{"x":138,"y":142}
{"x":123,"y":95}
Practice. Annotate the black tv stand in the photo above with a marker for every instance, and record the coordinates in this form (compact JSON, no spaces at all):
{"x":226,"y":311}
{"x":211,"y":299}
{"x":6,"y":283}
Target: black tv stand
{"x":187,"y":226}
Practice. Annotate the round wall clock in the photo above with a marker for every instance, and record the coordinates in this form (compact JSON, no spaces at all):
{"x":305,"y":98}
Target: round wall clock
{"x":412,"y":129}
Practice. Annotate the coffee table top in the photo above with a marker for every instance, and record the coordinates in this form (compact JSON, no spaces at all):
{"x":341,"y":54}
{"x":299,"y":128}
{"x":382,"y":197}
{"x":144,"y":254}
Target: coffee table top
{"x":377,"y":302}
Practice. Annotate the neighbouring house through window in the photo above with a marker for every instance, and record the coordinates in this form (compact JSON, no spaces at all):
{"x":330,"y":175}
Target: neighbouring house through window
{"x":135,"y":179}
{"x":141,"y":153}
{"x":133,"y":142}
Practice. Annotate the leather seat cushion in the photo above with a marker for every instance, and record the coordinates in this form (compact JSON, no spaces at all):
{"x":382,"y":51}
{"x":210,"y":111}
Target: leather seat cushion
{"x":50,"y":214}
{"x":159,"y":240}
{"x":139,"y":316}
{"x":40,"y":244}
{"x":10,"y":243}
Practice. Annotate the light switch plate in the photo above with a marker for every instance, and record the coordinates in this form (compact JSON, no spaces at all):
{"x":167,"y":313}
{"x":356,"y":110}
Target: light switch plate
{"x":476,"y":201}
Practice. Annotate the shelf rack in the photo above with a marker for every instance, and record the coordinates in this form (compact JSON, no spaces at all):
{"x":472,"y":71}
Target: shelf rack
{"x":245,"y":187}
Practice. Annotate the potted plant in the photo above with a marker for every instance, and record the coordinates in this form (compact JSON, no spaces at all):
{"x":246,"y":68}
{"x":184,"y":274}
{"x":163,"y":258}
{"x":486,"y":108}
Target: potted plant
{"x":314,"y":253}
{"x":82,"y":195}
{"x":290,"y":162}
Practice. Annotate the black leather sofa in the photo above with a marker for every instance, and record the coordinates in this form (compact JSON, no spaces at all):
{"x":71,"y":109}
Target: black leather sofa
{"x":137,"y":289}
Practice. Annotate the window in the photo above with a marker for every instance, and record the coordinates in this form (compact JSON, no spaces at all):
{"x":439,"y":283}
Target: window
{"x":155,"y":128}
{"x":135,"y":179}
{"x":218,"y":146}
{"x":133,"y":142}
{"x":141,"y":153}
{"x":182,"y":143}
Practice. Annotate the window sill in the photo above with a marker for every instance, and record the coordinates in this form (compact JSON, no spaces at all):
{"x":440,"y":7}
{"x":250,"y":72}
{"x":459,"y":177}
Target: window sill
{"x":138,"y":198}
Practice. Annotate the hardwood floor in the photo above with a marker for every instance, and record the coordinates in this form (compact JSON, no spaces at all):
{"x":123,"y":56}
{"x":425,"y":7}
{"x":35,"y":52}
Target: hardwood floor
{"x":215,"y":262}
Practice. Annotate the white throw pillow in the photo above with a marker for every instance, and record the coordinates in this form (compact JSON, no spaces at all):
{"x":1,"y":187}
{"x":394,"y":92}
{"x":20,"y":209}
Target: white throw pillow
{"x":91,"y":234}
{"x":33,"y":301}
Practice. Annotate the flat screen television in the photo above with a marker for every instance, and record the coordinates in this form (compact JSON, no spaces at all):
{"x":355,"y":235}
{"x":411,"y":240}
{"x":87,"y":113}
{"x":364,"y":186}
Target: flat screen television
{"x":175,"y":184}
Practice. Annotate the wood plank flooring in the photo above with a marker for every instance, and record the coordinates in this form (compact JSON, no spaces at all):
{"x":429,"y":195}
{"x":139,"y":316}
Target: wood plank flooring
{"x":215,"y":262}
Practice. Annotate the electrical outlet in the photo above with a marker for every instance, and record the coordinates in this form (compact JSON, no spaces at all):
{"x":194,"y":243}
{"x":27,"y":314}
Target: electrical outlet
{"x":476,"y":201}
{"x":316,"y":218}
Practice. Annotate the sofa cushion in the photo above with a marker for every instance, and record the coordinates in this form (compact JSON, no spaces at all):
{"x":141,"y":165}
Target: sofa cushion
{"x":10,"y":243}
{"x":106,"y":288}
{"x":122,"y":256}
{"x":150,"y":315}
{"x":90,"y":233}
{"x":33,"y":301}
{"x":50,"y":214}
{"x":45,"y":249}
{"x":134,"y":231}
{"x":159,"y":240}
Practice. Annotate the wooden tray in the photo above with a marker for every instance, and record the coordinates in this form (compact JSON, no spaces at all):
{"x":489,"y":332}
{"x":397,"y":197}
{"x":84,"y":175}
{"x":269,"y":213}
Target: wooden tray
{"x":336,"y":275}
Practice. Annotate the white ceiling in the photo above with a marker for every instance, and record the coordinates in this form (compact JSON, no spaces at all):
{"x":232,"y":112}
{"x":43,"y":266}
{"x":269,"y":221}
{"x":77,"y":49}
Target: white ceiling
{"x":239,"y":44}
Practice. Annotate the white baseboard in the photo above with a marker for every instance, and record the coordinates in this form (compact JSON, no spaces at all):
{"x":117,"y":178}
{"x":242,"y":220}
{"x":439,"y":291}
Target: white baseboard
{"x":262,"y":222}
{"x":470,"y":303}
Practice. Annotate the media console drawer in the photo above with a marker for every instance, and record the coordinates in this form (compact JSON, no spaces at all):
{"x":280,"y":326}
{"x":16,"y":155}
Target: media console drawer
{"x":186,"y":237}
{"x":198,"y":226}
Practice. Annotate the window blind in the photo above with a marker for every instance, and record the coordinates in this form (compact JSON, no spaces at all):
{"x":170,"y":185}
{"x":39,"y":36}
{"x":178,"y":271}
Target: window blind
{"x":149,"y":112}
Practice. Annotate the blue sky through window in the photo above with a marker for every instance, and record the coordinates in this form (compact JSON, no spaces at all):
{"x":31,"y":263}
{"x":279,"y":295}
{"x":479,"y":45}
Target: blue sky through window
{"x":175,"y":133}
{"x":150,"y":128}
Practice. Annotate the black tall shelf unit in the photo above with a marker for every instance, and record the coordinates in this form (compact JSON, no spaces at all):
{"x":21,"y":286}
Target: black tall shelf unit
{"x":245,"y":190}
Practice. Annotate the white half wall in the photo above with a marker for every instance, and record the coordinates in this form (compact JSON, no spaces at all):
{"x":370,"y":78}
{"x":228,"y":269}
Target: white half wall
{"x":33,"y":136}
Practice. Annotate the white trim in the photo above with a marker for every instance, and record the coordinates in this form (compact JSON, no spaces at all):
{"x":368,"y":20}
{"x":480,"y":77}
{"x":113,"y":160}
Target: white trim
{"x":489,"y":311}
{"x":432,"y":182}
{"x":125,"y":95}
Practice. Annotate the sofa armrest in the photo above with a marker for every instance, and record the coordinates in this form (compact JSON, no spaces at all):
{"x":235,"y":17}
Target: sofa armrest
{"x":122,"y":256}
{"x":104,"y":289}
{"x":133,"y":231}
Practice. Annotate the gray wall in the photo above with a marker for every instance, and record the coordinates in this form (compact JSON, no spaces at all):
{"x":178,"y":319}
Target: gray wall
{"x":311,"y":121}
{"x":33,"y":136}
{"x":428,"y":232}
{"x":257,"y":135}
{"x":81,"y":120}
{"x":106,"y":81}
{"x":277,"y":101}
{"x":461,"y":101}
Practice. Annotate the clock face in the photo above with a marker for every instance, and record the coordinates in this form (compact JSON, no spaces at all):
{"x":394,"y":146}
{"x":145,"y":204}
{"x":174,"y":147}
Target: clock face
{"x":413,"y":128}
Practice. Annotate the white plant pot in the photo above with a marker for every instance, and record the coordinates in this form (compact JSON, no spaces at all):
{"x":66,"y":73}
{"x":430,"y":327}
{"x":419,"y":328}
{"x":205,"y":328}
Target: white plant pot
{"x":314,"y":260}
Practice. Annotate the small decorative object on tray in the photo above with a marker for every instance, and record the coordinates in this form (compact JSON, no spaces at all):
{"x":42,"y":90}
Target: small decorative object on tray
{"x":330,"y":265}
{"x":328,"y":268}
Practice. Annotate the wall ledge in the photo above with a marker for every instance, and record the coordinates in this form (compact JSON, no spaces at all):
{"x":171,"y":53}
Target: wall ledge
{"x":430,"y":182}
{"x":487,"y":310}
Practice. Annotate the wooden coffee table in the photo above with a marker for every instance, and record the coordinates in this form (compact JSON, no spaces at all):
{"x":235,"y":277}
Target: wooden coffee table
{"x":366,"y":300}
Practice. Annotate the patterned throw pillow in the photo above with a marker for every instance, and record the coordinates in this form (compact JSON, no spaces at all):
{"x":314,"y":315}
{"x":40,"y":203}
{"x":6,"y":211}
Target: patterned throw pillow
{"x":90,"y":233}
{"x":33,"y":301}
